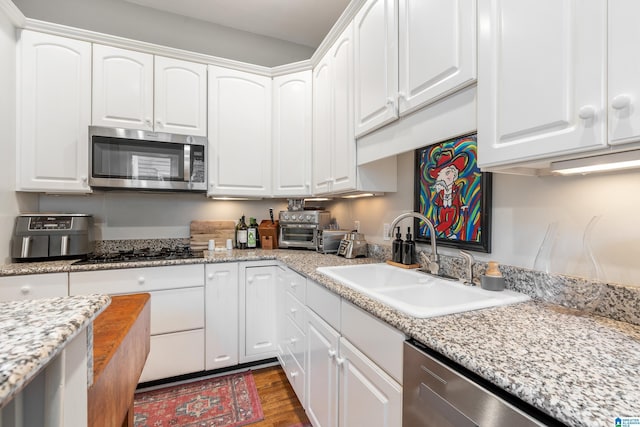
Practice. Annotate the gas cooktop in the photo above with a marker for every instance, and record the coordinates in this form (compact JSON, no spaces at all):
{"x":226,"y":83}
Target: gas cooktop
{"x":144,"y":254}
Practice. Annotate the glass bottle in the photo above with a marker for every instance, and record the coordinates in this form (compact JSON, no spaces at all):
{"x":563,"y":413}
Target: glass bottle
{"x":252,"y":234}
{"x":241,"y":234}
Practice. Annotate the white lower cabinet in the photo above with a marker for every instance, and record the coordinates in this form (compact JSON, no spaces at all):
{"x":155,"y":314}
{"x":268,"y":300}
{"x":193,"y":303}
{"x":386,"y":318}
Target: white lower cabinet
{"x":258,"y":305}
{"x":347,"y":383}
{"x":33,"y":286}
{"x":177,"y":312}
{"x":221,"y":302}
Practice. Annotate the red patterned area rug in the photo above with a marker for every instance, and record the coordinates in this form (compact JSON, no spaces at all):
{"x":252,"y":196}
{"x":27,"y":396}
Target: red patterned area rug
{"x":228,"y":401}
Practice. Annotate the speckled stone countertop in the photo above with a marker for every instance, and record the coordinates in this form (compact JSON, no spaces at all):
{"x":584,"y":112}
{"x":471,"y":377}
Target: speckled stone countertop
{"x":33,"y":332}
{"x":581,"y":369}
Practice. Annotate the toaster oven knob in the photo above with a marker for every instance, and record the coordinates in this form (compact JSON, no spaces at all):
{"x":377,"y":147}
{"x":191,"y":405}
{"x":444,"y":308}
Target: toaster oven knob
{"x":308,"y":217}
{"x":285,"y":216}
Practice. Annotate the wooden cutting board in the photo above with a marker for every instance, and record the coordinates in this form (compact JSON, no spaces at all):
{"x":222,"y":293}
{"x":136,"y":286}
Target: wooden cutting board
{"x":202,"y":231}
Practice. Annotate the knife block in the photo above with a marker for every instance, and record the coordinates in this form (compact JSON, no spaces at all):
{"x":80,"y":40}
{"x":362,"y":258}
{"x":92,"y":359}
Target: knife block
{"x":268,"y":232}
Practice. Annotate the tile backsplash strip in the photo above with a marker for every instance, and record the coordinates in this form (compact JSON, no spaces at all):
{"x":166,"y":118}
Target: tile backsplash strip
{"x":618,"y":302}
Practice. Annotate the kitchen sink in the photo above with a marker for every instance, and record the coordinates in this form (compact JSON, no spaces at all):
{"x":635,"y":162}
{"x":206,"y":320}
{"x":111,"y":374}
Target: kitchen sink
{"x":416,"y":293}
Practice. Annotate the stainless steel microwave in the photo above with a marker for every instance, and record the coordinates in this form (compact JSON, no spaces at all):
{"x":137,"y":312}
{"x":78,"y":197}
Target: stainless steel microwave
{"x":137,"y":159}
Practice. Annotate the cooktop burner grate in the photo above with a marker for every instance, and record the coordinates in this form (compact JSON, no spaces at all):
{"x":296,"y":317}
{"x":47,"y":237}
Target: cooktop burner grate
{"x":144,"y":254}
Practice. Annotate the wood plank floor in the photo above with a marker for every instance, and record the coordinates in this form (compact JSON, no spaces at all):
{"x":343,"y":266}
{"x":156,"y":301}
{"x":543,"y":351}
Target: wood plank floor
{"x":280,"y":405}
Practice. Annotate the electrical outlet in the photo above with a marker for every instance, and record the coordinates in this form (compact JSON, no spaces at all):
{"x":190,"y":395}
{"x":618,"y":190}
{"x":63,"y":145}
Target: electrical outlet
{"x":385,"y":231}
{"x":356,"y":225}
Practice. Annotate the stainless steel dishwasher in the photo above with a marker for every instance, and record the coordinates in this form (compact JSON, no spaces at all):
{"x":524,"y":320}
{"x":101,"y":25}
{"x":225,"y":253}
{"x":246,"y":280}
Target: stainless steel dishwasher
{"x":436,"y":395}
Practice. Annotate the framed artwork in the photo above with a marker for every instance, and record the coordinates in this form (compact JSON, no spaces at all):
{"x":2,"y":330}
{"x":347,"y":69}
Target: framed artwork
{"x":451,"y":191}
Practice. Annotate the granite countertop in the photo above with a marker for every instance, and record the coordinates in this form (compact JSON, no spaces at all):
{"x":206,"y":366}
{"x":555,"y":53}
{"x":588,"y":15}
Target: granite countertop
{"x":33,"y":332}
{"x":579,"y":368}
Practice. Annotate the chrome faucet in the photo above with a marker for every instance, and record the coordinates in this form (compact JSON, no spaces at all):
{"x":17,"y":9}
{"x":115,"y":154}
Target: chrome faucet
{"x":433,"y":267}
{"x":469,"y":267}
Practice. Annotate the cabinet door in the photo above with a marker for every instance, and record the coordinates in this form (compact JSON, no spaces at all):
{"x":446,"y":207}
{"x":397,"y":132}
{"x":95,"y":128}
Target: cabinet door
{"x":122,"y":88}
{"x":437,"y":50}
{"x":259,"y":317}
{"x":541,"y":79}
{"x":221,"y":307}
{"x":322,"y":372}
{"x":376,"y":65}
{"x":240,"y":136}
{"x":624,"y":63}
{"x":180,"y":97}
{"x":368,"y":396}
{"x":322,"y":126}
{"x":54,"y":113}
{"x":344,"y":144}
{"x":292,"y":133}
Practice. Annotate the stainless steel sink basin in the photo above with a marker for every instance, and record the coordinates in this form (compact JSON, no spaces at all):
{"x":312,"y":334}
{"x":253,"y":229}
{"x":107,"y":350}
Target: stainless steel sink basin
{"x":415,"y":293}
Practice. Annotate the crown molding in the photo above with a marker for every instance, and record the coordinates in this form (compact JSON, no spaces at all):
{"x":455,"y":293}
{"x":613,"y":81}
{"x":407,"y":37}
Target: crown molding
{"x":140,"y":46}
{"x":294,"y":67}
{"x":12,"y":12}
{"x":341,"y":24}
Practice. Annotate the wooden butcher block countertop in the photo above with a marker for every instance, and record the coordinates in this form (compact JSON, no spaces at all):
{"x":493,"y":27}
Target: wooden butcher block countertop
{"x":120,"y":348}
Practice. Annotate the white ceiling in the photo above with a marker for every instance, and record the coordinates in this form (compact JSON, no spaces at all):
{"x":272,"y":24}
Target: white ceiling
{"x":304,"y":22}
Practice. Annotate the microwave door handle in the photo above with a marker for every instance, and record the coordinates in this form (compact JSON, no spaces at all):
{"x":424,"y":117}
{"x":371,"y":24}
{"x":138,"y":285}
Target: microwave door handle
{"x":187,"y":163}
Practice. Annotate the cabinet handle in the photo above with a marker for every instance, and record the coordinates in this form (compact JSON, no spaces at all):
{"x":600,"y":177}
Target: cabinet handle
{"x":141,"y":280}
{"x":159,"y":123}
{"x":25,"y":290}
{"x":294,"y":374}
{"x":294,"y":285}
{"x":340,"y":361}
{"x":83,"y":179}
{"x":250,"y":280}
{"x":587,"y":112}
{"x":293,"y":310}
{"x":332,"y":354}
{"x":621,"y":102}
{"x":210,"y":276}
{"x":293,"y":340}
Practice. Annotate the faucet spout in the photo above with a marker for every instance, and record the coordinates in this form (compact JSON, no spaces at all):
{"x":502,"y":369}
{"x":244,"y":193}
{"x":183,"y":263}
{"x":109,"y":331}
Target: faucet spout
{"x":433,"y":257}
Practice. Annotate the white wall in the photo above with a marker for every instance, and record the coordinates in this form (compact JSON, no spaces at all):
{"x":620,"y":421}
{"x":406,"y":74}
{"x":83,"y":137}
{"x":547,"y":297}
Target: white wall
{"x":523,"y":207}
{"x":132,"y":21}
{"x":11,"y":203}
{"x":138,"y":215}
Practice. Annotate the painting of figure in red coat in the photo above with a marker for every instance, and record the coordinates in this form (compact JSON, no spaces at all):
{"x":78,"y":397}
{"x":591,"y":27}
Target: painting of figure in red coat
{"x":454,"y":194}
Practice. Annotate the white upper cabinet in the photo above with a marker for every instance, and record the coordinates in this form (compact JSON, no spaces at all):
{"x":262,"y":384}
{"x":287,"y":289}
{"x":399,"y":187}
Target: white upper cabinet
{"x":437,"y":50}
{"x":541,"y":74}
{"x":240,"y":133}
{"x":122,"y":88}
{"x":180,"y":103}
{"x":344,"y":144}
{"x":139,"y":91}
{"x":334,"y":147}
{"x":624,"y":63}
{"x":408,"y":54}
{"x":292,"y":134}
{"x":376,"y":65}
{"x":54,"y":97}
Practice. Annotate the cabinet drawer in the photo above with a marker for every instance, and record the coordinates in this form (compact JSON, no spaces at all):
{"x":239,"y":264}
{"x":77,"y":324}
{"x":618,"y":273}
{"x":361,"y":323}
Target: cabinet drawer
{"x":33,"y":286}
{"x":295,"y":342}
{"x":177,"y":310}
{"x":296,"y":284}
{"x":136,"y":279}
{"x":295,"y":310}
{"x":295,"y":375}
{"x":380,"y":342}
{"x":325,"y":303}
{"x":174,"y":354}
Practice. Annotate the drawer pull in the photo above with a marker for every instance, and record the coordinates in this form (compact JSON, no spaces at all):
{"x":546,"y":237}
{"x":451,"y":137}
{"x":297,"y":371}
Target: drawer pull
{"x":293,"y":310}
{"x":293,"y":340}
{"x":25,"y":290}
{"x":294,"y":285}
{"x":210,"y":276}
{"x":141,"y":280}
{"x":332,"y":354}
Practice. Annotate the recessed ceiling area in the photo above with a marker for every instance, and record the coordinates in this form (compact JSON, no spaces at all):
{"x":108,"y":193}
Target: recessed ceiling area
{"x":304,"y":22}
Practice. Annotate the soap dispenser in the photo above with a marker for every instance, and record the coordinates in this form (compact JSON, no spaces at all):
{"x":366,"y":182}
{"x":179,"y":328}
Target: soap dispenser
{"x":396,"y":248}
{"x":408,"y":249}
